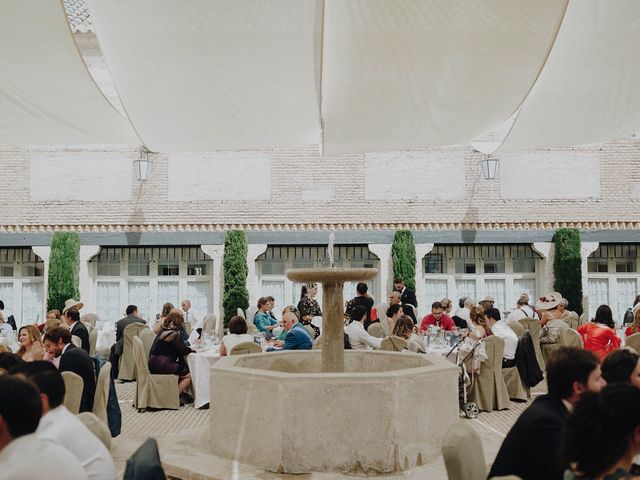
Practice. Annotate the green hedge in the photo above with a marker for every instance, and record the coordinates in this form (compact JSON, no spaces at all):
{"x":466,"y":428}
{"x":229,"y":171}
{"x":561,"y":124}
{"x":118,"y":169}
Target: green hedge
{"x":403,"y":255}
{"x":64,"y":266}
{"x":567,"y":267}
{"x":234,"y":264}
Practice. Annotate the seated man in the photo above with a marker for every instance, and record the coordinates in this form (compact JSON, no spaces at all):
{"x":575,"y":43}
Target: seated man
{"x":531,"y":448}
{"x":76,"y":327}
{"x":57,"y":341}
{"x":395,"y":299}
{"x":59,"y":426}
{"x":359,"y":338}
{"x":115,"y":352}
{"x":297,"y":337}
{"x":500,"y":329}
{"x":438,"y":318}
{"x":24,"y":456}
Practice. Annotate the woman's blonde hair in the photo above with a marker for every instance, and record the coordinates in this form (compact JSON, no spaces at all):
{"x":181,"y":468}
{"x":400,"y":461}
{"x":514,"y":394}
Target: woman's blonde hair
{"x":635,"y":326}
{"x":34,"y":335}
{"x":477,"y":316}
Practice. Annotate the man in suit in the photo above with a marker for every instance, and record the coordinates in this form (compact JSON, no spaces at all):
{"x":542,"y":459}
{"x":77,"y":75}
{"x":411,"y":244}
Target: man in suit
{"x":531,"y":448}
{"x":297,"y":337}
{"x":115,"y":352}
{"x":76,"y":327}
{"x":406,"y":295}
{"x":57,"y":341}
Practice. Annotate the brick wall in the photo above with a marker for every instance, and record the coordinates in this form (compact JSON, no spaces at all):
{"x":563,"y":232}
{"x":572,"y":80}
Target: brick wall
{"x":307,"y":188}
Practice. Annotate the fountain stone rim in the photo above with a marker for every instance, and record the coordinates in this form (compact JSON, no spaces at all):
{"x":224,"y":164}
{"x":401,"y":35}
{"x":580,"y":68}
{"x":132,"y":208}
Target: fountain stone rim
{"x":330,"y":274}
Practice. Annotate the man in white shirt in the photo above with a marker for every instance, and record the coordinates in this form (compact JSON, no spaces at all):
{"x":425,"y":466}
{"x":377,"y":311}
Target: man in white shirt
{"x":24,"y":456}
{"x":523,"y":309}
{"x":359,"y":338}
{"x":191,"y":315}
{"x":502,"y":330}
{"x":59,"y":426}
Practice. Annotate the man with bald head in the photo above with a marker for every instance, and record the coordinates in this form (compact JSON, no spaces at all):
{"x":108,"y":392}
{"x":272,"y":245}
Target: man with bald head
{"x":396,"y":299}
{"x":297,"y":337}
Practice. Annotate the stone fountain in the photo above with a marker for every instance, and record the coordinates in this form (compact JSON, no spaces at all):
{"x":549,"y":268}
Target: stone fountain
{"x":331,"y":410}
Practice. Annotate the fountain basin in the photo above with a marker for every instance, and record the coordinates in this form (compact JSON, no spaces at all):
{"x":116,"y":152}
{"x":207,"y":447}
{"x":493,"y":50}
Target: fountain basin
{"x":388,"y":411}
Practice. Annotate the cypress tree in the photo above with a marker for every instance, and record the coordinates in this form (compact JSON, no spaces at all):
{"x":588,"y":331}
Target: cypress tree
{"x":234,"y":265}
{"x":567,"y":267}
{"x":64,"y":267}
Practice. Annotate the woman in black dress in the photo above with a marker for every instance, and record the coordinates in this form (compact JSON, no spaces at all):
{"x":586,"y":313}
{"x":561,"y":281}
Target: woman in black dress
{"x":168,"y":350}
{"x":308,"y":306}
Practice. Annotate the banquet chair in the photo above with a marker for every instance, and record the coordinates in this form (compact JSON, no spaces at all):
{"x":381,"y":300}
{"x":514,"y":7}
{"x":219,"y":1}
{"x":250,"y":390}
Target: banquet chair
{"x":571,"y":338}
{"x":393,"y":344}
{"x":153,"y":390}
{"x":573,"y":321}
{"x":96,"y":426}
{"x":310,"y":331}
{"x":516,"y":388}
{"x":145,"y":464}
{"x":93,"y":340}
{"x":632,"y":341}
{"x":101,"y":397}
{"x":73,"y":385}
{"x":517,"y":328}
{"x":376,"y":330}
{"x":489,"y":389}
{"x":127,"y":367}
{"x":90,"y":318}
{"x":147,"y":336}
{"x":209,"y":322}
{"x":533,"y":326}
{"x":187,"y":327}
{"x":462,"y":452}
{"x":76,"y":341}
{"x":245,"y":348}
{"x":251,"y":312}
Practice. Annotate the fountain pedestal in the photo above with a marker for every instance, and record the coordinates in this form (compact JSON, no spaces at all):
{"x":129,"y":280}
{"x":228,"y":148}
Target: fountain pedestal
{"x":332,"y":280}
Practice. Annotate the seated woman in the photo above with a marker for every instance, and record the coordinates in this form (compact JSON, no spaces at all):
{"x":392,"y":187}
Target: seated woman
{"x":237,"y":334}
{"x":622,"y":366}
{"x":263,"y":321}
{"x":405,"y":328}
{"x":635,"y":325}
{"x":166,"y":309}
{"x":599,"y":335}
{"x":31,"y":347}
{"x":393,"y":313}
{"x":602,"y":435}
{"x":478,"y":327}
{"x":167,"y":352}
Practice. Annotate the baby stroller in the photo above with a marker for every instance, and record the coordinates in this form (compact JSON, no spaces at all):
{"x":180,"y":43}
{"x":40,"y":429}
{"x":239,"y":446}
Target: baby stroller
{"x":465,"y":381}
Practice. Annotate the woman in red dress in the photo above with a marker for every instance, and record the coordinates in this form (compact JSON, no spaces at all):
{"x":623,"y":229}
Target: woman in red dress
{"x":599,"y":334}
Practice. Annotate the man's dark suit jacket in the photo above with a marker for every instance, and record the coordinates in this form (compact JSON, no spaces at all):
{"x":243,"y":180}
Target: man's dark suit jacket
{"x":409,"y":296}
{"x":531,"y":447}
{"x":78,"y":361}
{"x":125,"y":322}
{"x":81,"y":332}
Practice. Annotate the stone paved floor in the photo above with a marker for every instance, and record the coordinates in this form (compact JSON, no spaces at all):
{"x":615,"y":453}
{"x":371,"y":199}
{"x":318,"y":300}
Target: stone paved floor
{"x":183,"y":437}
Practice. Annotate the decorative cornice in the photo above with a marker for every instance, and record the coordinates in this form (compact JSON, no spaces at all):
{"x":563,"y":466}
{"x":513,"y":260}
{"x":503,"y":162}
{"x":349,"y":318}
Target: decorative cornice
{"x":301,"y":227}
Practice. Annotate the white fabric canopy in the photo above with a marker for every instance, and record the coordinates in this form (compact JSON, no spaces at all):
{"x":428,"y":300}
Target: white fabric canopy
{"x":589,"y":91}
{"x":414,"y":73}
{"x":47,"y":96}
{"x":203,"y":75}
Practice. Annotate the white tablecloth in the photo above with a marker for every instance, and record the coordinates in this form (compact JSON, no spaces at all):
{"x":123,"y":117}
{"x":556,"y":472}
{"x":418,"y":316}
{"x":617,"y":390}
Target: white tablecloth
{"x":199,"y":366}
{"x":106,"y":338}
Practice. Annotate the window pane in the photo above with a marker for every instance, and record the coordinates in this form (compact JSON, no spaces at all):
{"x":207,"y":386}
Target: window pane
{"x":109,"y":301}
{"x":626,"y":293}
{"x":32,"y":303}
{"x":626,"y":266}
{"x":493,"y":266}
{"x":138,"y":293}
{"x":138,"y":268}
{"x":168,"y":269}
{"x":435,"y":290}
{"x":465,"y":265}
{"x":197,"y":268}
{"x":525,"y":265}
{"x":598,"y":294}
{"x":496,"y":289}
{"x":198,"y":294}
{"x":168,"y":292}
{"x":6,"y":270}
{"x":465,"y":288}
{"x":435,"y":263}
{"x":598,"y":265}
